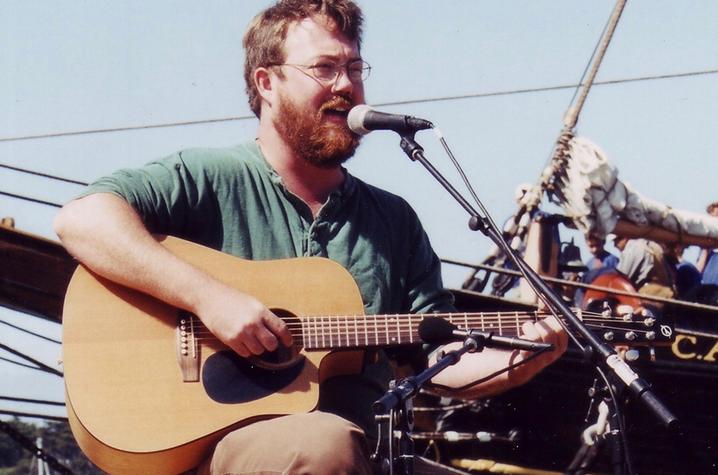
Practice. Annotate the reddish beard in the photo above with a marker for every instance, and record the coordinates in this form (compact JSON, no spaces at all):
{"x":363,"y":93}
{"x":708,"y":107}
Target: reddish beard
{"x":321,"y":143}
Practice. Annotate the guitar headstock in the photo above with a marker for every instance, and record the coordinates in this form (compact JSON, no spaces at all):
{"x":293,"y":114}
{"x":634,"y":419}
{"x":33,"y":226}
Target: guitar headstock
{"x":625,"y":325}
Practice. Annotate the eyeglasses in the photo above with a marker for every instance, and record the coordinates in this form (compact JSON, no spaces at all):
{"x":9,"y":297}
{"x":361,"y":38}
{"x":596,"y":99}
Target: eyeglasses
{"x":327,"y":72}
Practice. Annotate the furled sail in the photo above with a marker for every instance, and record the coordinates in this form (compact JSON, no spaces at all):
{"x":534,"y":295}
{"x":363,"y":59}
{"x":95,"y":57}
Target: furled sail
{"x":591,"y":193}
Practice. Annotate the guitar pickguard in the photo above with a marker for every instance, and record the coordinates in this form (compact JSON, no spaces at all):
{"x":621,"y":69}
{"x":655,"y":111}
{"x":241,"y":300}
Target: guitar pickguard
{"x":230,"y":379}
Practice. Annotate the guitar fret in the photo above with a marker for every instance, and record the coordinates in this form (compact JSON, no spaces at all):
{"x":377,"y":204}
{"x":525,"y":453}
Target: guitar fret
{"x":500,"y":331}
{"x":356,"y":332}
{"x":386,"y":329}
{"x":346,"y":328}
{"x":309,"y":333}
{"x":411,"y":332}
{"x":398,"y":328}
{"x":466,"y":321}
{"x":376,"y":331}
{"x":366,"y":332}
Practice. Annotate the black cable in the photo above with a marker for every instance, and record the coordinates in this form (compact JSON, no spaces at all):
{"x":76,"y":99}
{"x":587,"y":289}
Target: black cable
{"x":492,"y":375}
{"x":621,"y":424}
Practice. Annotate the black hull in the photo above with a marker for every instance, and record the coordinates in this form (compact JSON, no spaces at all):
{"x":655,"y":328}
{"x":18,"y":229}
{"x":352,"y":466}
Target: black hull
{"x":548,"y":413}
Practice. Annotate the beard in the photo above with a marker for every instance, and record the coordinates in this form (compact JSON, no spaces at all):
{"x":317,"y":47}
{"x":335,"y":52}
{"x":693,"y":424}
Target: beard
{"x":321,"y":143}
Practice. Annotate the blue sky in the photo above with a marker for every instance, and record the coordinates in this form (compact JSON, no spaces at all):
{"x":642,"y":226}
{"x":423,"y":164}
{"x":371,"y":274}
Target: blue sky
{"x":70,"y":66}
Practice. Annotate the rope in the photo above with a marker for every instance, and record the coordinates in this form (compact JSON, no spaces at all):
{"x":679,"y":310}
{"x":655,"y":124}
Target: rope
{"x":572,"y":117}
{"x":556,"y":169}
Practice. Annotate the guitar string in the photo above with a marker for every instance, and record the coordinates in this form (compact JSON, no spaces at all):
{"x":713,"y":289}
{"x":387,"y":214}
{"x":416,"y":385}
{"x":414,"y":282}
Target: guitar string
{"x":358,"y":330}
{"x":391,"y":322}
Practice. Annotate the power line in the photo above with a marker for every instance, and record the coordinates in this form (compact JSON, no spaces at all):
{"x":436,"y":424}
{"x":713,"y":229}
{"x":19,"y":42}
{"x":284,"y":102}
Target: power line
{"x":124,"y":129}
{"x":410,"y":101}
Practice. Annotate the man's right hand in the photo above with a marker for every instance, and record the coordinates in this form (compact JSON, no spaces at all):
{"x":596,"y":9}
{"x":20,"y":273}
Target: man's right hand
{"x":243,"y":323}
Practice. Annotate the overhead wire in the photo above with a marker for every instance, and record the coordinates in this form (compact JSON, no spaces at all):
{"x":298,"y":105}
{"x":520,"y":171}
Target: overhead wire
{"x":388,"y":103}
{"x":248,"y":117}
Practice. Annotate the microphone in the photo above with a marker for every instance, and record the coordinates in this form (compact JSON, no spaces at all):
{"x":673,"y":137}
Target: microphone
{"x":362,"y":119}
{"x":438,"y":331}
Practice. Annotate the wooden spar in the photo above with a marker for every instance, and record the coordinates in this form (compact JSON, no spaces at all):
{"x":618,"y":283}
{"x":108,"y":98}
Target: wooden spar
{"x":654,"y":233}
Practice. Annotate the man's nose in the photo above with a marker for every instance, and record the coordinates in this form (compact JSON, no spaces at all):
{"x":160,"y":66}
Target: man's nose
{"x":342,"y":83}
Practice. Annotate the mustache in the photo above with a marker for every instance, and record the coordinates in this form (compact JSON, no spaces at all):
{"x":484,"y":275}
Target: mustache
{"x":337,"y":102}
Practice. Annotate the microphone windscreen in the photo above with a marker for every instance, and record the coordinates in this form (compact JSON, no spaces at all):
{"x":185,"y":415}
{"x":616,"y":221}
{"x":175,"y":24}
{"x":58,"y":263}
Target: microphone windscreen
{"x":436,"y":330}
{"x":355,"y":119}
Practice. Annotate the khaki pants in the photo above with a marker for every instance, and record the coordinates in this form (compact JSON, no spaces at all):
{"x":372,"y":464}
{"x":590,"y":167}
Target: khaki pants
{"x":313,"y":444}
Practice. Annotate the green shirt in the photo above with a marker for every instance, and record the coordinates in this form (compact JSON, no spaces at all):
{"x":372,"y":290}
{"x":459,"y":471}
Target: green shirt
{"x":232,"y":200}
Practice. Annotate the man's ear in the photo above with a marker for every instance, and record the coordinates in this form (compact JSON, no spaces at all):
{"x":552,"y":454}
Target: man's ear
{"x":263,"y":81}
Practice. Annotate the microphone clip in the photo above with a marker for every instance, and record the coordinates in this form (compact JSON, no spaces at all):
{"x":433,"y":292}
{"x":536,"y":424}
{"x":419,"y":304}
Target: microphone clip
{"x":477,"y":340}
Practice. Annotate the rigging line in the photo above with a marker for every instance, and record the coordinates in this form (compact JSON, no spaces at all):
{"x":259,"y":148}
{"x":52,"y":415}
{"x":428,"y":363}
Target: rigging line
{"x":44,"y":175}
{"x":36,"y":416}
{"x":570,"y":283}
{"x":40,"y":365}
{"x":32,"y":401}
{"x":8,"y":360}
{"x":32,"y":200}
{"x":590,"y":60}
{"x":573,"y":112}
{"x":24,"y":330}
{"x":378,"y":104}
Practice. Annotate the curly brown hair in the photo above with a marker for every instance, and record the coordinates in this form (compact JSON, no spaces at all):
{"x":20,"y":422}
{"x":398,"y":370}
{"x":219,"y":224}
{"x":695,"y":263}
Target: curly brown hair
{"x":264,"y":40}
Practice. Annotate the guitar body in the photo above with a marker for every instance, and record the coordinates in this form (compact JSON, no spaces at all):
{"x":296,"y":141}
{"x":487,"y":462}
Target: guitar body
{"x":131,"y":407}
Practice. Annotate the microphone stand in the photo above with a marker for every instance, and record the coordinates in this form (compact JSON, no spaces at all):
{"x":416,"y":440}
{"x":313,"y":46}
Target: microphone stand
{"x":396,"y":405}
{"x":596,"y":351}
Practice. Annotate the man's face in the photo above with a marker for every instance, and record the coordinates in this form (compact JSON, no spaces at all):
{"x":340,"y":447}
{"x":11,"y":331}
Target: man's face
{"x":310,"y":114}
{"x":594,"y":244}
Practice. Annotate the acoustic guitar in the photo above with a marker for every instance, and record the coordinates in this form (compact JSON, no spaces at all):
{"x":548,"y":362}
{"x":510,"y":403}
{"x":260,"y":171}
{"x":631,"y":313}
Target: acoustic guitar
{"x":150,"y":390}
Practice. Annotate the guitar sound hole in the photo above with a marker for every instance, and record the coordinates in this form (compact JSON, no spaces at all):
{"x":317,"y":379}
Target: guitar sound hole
{"x":283,"y":357}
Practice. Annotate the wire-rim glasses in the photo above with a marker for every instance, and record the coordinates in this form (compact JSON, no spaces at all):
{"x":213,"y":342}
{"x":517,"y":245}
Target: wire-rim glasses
{"x":327,"y":71}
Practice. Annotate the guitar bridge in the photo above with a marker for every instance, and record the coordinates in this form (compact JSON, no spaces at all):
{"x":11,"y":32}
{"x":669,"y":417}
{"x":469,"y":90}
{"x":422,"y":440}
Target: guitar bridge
{"x":187,"y":346}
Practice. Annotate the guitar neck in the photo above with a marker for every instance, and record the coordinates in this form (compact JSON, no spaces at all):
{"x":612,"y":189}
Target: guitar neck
{"x":347,"y":332}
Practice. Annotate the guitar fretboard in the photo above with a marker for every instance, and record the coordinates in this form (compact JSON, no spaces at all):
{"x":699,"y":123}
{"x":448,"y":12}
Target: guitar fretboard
{"x":335,"y":332}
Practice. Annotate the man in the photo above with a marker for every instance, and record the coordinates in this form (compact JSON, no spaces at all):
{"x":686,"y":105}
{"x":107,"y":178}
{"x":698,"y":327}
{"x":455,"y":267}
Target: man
{"x":284,"y":195}
{"x":707,"y":265}
{"x":650,"y":266}
{"x":600,"y":257}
